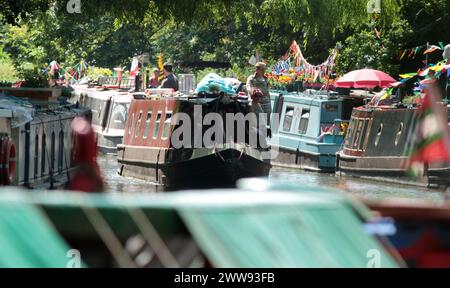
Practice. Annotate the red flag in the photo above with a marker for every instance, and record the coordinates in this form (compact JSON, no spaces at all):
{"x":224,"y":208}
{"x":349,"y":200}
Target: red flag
{"x":134,"y":67}
{"x":432,"y":143}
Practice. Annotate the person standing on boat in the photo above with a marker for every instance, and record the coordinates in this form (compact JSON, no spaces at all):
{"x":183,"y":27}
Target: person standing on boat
{"x":170,"y":81}
{"x":261,"y":82}
{"x":154,"y":80}
{"x":446,"y":56}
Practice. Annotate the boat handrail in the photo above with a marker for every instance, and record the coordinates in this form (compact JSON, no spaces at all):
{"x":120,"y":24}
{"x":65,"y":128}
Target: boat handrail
{"x":310,"y":93}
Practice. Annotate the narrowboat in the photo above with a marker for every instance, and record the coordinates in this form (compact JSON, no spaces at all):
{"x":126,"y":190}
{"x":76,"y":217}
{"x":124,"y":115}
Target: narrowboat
{"x":309,"y":127}
{"x":109,"y":102}
{"x":36,"y":142}
{"x":148,"y":151}
{"x":377,"y":144}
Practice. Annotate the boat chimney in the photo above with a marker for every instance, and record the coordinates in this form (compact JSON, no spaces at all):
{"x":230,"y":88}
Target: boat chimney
{"x":137,"y":83}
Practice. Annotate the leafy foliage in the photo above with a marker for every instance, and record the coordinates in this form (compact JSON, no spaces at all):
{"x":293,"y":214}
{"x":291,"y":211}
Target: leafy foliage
{"x":109,"y":33}
{"x":373,"y":48}
{"x":11,"y":11}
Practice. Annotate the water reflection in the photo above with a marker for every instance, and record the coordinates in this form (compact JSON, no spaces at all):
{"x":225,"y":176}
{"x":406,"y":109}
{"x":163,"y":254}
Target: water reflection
{"x":118,"y":184}
{"x":357,"y":187}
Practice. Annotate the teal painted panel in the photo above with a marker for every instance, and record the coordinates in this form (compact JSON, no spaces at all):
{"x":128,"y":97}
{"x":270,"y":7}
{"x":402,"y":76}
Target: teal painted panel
{"x":329,"y":236}
{"x":27,"y":239}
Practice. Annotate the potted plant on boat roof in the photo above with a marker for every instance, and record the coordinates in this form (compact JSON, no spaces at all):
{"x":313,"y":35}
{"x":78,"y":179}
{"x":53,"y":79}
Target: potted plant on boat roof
{"x":34,"y":84}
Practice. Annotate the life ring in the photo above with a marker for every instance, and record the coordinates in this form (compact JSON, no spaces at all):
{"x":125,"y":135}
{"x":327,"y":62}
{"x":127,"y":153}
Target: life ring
{"x":8,"y":161}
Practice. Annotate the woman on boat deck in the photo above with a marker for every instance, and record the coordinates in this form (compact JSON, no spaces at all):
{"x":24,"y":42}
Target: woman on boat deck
{"x":154,"y":80}
{"x":446,"y":56}
{"x":260,"y":81}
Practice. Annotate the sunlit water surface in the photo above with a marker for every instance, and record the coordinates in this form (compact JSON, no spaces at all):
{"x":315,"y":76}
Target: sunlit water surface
{"x":354,"y":186}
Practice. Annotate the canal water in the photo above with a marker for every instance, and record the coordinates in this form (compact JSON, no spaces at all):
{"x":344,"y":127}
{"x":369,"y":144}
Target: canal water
{"x":358,"y":187}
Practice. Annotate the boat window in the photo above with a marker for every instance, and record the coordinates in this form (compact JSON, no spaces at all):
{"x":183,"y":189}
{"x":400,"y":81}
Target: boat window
{"x":61,"y":151}
{"x":130,"y":124}
{"x":331,"y":107}
{"x":304,"y":121}
{"x":118,"y":117}
{"x":380,"y":131}
{"x":99,"y":111}
{"x":288,"y":117}
{"x":166,"y":129}
{"x":43,"y":155}
{"x":350,"y":133}
{"x":399,"y":134}
{"x":359,"y":128}
{"x":157,"y":124}
{"x":36,"y":156}
{"x":147,"y":124}
{"x":137,"y":130}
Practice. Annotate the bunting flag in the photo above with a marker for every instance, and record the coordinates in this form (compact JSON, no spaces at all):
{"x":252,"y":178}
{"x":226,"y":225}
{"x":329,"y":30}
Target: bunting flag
{"x":387,"y":95}
{"x":301,"y":67}
{"x":431,"y":138}
{"x":417,"y":50}
{"x":160,"y":62}
{"x":134,"y":67}
{"x":428,"y":49}
{"x":53,"y":67}
{"x":403,"y":54}
{"x":431,"y":49}
{"x":160,"y":66}
{"x":384,"y":95}
{"x":408,"y":76}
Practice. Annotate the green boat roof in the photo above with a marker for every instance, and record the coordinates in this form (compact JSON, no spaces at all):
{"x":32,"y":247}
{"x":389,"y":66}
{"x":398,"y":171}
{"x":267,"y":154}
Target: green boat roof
{"x":28,"y":240}
{"x":233,"y":228}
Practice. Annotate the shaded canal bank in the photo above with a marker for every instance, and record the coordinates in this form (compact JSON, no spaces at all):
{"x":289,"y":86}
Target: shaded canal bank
{"x":360,"y":187}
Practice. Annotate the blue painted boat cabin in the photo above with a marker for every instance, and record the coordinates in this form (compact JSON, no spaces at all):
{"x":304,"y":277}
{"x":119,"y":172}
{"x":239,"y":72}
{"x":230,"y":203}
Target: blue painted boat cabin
{"x":311,"y":128}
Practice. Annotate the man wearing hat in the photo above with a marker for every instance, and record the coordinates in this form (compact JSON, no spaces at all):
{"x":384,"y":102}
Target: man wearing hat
{"x":170,"y":81}
{"x":258,"y":82}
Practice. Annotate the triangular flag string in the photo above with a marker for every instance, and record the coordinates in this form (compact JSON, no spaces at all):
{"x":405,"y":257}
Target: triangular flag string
{"x":301,"y":67}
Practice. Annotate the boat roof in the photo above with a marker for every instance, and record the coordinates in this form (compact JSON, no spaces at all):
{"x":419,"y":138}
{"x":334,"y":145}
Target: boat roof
{"x":315,"y":97}
{"x":27,"y":239}
{"x":233,"y":228}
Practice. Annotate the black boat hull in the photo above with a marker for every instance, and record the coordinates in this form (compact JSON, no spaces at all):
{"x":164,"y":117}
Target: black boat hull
{"x":389,"y":169}
{"x":376,"y":145}
{"x":305,"y":161}
{"x":217,"y":170}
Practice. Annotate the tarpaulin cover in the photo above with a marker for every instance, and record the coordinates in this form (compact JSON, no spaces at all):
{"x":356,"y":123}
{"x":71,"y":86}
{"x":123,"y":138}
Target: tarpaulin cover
{"x":214,"y":83}
{"x":22,"y":110}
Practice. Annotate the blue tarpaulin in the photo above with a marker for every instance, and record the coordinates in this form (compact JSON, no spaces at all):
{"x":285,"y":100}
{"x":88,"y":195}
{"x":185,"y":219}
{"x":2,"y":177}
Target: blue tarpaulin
{"x":212,"y":83}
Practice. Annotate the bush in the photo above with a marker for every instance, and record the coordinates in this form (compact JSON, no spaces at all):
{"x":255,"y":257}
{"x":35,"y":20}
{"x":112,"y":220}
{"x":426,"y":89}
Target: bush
{"x":34,"y":78}
{"x":7,"y":72}
{"x":96,"y":72}
{"x":6,"y":84}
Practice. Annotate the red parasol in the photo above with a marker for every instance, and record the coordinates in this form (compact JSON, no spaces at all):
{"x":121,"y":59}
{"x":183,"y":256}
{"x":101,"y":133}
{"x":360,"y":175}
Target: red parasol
{"x":366,"y":78}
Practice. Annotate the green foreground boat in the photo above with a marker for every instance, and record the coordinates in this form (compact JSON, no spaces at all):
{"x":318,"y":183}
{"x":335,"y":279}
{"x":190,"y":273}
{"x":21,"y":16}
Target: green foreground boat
{"x":257,"y":227}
